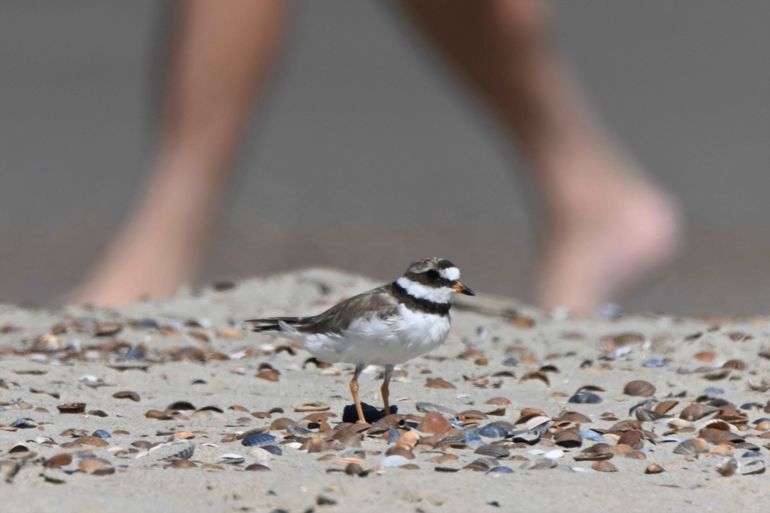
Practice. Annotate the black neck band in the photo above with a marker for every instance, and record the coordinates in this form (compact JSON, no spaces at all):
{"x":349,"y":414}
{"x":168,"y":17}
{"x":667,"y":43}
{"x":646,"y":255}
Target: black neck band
{"x":416,"y":303}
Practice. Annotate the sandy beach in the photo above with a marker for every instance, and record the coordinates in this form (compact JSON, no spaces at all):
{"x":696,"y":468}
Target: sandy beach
{"x":174,"y":406}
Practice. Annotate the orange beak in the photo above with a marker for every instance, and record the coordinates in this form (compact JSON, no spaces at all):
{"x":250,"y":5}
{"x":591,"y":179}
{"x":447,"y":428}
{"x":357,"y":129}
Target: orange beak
{"x":462,"y":289}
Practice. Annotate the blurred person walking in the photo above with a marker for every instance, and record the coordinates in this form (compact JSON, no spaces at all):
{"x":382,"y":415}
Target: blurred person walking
{"x":607,"y":224}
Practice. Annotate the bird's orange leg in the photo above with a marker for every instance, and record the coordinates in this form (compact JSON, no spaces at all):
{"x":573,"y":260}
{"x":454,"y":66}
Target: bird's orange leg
{"x":356,"y":397}
{"x":385,"y":389}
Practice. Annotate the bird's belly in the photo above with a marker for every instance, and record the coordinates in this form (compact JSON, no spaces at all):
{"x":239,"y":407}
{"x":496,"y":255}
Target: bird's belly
{"x":382,"y":341}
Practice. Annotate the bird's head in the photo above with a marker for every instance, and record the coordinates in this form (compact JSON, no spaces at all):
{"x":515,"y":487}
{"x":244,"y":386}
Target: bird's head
{"x":433,"y":279}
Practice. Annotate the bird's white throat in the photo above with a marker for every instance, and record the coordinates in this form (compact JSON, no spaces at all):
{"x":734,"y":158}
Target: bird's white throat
{"x":441,"y":295}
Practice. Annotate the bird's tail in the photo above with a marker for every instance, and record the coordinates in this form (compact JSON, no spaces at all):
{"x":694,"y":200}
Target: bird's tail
{"x":274,"y":323}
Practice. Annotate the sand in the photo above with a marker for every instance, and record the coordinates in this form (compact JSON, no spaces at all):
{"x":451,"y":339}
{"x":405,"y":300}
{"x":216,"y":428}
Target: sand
{"x":38,"y":374}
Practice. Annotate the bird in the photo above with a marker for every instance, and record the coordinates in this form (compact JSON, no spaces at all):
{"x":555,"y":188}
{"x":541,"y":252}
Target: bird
{"x":384,"y":326}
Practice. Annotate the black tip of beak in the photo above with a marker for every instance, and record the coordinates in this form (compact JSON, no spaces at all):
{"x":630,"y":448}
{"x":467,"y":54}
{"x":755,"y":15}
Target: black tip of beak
{"x":468,"y":292}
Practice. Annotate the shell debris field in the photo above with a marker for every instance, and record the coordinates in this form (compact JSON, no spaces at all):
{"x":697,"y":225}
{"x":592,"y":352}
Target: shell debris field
{"x":515,"y":401}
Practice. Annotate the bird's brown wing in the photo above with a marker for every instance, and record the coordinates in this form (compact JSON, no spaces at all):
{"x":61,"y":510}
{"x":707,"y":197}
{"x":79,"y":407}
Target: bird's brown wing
{"x":374,"y":303}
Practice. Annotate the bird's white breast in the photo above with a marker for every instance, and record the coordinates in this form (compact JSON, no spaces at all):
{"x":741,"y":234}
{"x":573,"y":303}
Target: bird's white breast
{"x":376,"y":341}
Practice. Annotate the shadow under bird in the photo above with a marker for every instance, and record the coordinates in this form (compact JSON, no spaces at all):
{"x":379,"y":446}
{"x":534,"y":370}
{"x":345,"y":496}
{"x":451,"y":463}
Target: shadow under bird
{"x":384,"y":326}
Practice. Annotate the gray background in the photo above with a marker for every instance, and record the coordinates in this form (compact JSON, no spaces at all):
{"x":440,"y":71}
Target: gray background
{"x":367,"y":154}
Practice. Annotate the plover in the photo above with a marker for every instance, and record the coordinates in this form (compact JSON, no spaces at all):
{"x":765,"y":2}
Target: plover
{"x":384,"y":326}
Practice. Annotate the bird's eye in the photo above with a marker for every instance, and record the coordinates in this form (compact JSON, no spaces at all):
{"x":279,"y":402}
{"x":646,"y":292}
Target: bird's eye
{"x":433,"y":274}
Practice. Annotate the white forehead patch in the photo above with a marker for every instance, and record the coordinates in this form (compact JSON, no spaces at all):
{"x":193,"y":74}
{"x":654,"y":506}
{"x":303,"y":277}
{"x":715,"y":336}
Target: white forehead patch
{"x":450,"y":273}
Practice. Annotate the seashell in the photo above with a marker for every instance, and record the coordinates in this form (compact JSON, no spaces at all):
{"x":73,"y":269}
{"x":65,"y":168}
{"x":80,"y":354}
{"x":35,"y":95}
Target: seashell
{"x":529,"y":437}
{"x":654,"y":468}
{"x":433,"y":422}
{"x":528,"y":413}
{"x":232,"y":459}
{"x":493,"y":450}
{"x":553,"y":454}
{"x":393,"y":461}
{"x":501,"y":469}
{"x":24,"y":423}
{"x":511,"y":361}
{"x":655,"y":362}
{"x":626,"y":425}
{"x":107,"y":329}
{"x":408,"y":438}
{"x":731,"y":414}
{"x":718,"y":436}
{"x":425,"y":407}
{"x":230,"y":333}
{"x":645,"y":415}
{"x":158,"y":415}
{"x":591,"y":388}
{"x":639,"y":387}
{"x":272,"y":375}
{"x":257,"y":467}
{"x":536,"y":422}
{"x":471,"y":415}
{"x":18,"y":448}
{"x":472,"y":438}
{"x":631,"y":438}
{"x":539,"y":464}
{"x":354,"y":469}
{"x":568,"y":438}
{"x":260,"y":454}
{"x":604,"y":466}
{"x":692,"y":446}
{"x":705,"y":356}
{"x":665,"y":406}
{"x":499,"y":429}
{"x":499,"y":401}
{"x":600,"y":451}
{"x":281,"y":423}
{"x":101,"y":433}
{"x":753,"y":468}
{"x":438,"y":383}
{"x":542,"y":376}
{"x":697,"y":411}
{"x":311,"y":407}
{"x":96,"y":466}
{"x":717,"y":374}
{"x":572,"y":416}
{"x":728,"y":467}
{"x":348,"y":438}
{"x":180,"y":406}
{"x":735,"y":364}
{"x":182,"y":464}
{"x":188,"y":449}
{"x":590,"y":434}
{"x":585,"y":397}
{"x":480,"y":465}
{"x":58,"y":461}
{"x":71,"y":407}
{"x":400,"y":451}
{"x":126,"y":394}
{"x":257,"y":439}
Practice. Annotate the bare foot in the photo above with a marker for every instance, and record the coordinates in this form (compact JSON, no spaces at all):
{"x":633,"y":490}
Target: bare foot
{"x":606,"y":237}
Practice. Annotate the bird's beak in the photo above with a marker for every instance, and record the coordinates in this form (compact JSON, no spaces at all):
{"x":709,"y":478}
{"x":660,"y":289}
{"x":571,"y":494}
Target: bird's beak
{"x":462,"y":289}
